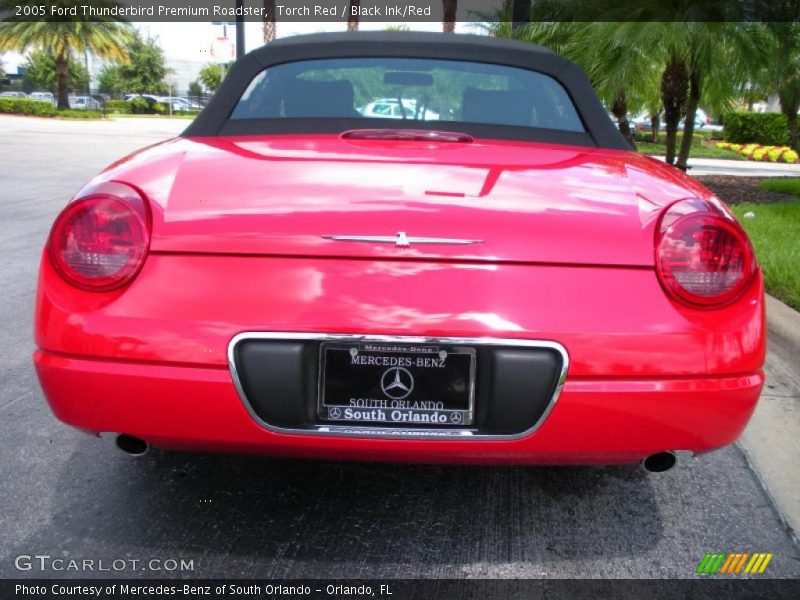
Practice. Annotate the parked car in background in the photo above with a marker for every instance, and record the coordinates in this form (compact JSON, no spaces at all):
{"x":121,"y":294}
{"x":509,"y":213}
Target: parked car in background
{"x":84,"y":103}
{"x":148,"y":99}
{"x":702,"y":122}
{"x":43,"y":96}
{"x":152,"y":97}
{"x":640,"y":121}
{"x":179,"y":104}
{"x":14,"y":95}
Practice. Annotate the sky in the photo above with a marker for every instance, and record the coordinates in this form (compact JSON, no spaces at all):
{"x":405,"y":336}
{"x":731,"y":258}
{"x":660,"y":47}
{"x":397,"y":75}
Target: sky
{"x":193,"y":41}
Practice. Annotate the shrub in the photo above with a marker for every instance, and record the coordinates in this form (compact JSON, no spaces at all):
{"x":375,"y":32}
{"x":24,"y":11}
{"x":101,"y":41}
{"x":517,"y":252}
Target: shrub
{"x":761,"y":128}
{"x":24,"y":106}
{"x":80,"y":114}
{"x":774,"y":154}
{"x":119,"y":106}
{"x":139,"y":106}
{"x":763,"y":153}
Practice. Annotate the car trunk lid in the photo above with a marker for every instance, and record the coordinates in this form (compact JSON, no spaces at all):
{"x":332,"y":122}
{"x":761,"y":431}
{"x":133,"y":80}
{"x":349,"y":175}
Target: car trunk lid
{"x":493,"y":201}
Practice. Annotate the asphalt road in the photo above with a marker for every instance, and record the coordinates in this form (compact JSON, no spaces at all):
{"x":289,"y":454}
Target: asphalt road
{"x":68,"y":495}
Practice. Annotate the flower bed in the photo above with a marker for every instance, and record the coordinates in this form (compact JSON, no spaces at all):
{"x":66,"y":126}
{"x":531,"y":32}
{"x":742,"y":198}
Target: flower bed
{"x":782,"y":154}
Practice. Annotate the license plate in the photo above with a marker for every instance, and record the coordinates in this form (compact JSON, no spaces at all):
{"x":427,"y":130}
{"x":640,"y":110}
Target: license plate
{"x":397,"y":385}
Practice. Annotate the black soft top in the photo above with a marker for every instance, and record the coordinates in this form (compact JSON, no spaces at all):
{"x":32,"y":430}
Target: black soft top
{"x":600,"y":130}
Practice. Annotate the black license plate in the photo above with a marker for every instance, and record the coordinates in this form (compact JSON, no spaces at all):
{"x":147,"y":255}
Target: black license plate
{"x":384,"y":384}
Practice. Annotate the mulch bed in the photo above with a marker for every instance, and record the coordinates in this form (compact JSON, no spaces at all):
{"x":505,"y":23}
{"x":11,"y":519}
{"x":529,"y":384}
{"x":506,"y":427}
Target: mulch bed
{"x":736,"y":190}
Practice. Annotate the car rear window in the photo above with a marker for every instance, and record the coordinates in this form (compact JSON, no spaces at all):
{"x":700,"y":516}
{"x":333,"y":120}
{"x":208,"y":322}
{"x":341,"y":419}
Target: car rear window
{"x":412,"y":90}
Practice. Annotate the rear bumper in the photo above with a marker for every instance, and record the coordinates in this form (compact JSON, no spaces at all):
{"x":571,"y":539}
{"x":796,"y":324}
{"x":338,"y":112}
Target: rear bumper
{"x":596,"y":420}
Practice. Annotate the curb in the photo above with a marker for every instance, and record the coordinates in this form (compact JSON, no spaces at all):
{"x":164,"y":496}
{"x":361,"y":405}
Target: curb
{"x":783,"y":321}
{"x":771,"y":441}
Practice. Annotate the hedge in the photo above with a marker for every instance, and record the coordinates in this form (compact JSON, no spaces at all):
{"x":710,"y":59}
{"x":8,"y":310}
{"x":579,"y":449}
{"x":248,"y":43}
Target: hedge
{"x":40,"y":108}
{"x":119,"y":106}
{"x":23,"y":106}
{"x":79,"y":114}
{"x":769,"y":129}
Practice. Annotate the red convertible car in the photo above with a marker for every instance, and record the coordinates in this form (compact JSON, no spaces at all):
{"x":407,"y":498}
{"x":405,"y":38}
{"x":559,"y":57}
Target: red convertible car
{"x":484,"y":272}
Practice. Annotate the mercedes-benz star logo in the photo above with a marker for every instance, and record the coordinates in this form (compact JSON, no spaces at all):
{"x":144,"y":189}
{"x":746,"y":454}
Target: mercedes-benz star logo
{"x":397,"y":383}
{"x":335,"y":413}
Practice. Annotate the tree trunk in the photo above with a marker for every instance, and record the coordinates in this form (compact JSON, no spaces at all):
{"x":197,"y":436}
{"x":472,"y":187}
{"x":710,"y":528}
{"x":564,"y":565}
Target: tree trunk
{"x":688,"y":124}
{"x":620,"y":110}
{"x":791,"y":120}
{"x":790,"y":103}
{"x":520,"y":13}
{"x":655,"y":126}
{"x":62,"y":79}
{"x":674,"y":86}
{"x":352,"y":19}
{"x":449,"y":15}
{"x":269,"y":21}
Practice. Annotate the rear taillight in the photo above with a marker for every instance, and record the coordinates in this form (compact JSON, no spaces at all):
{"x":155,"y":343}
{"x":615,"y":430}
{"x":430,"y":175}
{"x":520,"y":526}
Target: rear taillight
{"x":99,"y":242}
{"x":703,"y":257}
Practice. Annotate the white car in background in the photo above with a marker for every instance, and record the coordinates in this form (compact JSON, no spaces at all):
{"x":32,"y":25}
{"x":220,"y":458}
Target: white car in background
{"x":389,"y":108}
{"x":179,"y":104}
{"x":702,"y":122}
{"x":84,"y":103}
{"x":43,"y":97}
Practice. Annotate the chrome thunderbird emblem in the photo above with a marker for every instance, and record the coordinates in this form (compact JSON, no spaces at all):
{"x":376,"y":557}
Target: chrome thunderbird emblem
{"x":401,"y":240}
{"x":397,"y":383}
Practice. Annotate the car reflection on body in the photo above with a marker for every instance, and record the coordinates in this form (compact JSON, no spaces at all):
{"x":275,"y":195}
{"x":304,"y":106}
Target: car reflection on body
{"x":388,"y":108}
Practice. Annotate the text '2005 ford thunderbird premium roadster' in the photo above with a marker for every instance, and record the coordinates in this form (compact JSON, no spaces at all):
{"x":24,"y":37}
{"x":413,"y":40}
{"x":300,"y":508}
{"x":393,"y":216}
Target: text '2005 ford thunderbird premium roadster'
{"x":409,"y":247}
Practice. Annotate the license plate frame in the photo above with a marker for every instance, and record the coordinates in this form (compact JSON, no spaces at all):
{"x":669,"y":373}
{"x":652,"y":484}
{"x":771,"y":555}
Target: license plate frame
{"x":385,"y":399}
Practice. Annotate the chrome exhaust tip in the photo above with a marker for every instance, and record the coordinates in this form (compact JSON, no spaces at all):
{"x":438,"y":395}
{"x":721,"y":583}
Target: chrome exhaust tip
{"x":660,"y":462}
{"x":131,"y":445}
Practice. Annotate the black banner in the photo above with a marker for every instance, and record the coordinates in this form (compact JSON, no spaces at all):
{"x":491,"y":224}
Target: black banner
{"x":390,"y":589}
{"x":400,"y":11}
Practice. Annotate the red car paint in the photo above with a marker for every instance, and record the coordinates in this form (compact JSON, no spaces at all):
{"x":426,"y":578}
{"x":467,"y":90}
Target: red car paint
{"x":568,"y":255}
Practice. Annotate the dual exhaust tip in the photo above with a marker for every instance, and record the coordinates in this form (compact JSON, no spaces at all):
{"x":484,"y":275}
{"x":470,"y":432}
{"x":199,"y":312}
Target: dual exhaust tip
{"x":134,"y":446}
{"x":660,"y":462}
{"x":131,"y":445}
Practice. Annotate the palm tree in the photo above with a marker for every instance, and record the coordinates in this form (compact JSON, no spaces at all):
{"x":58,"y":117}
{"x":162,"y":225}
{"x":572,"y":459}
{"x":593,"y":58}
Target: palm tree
{"x":703,"y":61}
{"x":520,"y":13}
{"x":63,"y":39}
{"x":353,"y":19}
{"x":269,"y":21}
{"x":623,"y":75}
{"x":697,"y":47}
{"x":783,"y":76}
{"x":449,"y":8}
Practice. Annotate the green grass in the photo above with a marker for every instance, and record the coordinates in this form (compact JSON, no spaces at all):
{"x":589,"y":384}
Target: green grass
{"x":79,"y":114}
{"x":785,"y":185}
{"x":699,"y":150}
{"x":774,"y":228}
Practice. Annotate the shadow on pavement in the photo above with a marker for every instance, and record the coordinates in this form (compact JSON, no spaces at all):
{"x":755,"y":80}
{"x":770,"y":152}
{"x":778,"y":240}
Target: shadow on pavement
{"x":264,"y":511}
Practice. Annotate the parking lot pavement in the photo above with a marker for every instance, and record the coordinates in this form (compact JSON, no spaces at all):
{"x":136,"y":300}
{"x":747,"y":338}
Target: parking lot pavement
{"x":68,"y":495}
